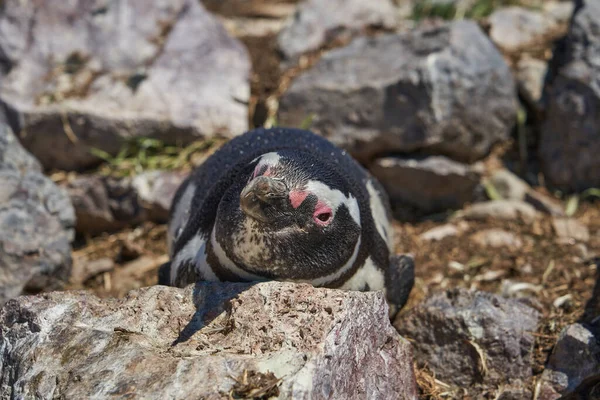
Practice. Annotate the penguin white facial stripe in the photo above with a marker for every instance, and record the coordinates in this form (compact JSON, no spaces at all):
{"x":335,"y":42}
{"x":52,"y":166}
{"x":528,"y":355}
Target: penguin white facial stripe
{"x":332,"y":277}
{"x":226,"y":261}
{"x":334,"y":198}
{"x":268,"y":159}
{"x":369,"y":274}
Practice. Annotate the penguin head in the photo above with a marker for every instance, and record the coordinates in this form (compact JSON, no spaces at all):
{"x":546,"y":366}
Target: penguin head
{"x":290,"y":216}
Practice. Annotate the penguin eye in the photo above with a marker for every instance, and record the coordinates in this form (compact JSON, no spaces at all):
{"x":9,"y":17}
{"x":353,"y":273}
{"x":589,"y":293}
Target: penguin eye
{"x":324,"y":217}
{"x":323,"y":214}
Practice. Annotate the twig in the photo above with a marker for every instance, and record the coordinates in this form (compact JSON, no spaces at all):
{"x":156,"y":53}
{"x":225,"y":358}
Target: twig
{"x":67,"y":128}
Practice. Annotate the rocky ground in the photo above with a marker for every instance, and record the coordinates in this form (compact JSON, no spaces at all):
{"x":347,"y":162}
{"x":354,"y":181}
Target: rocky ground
{"x":480,"y":118}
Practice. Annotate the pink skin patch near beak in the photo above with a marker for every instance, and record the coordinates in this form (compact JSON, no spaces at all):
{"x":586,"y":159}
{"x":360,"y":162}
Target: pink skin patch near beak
{"x":323,"y":214}
{"x":297,"y":197}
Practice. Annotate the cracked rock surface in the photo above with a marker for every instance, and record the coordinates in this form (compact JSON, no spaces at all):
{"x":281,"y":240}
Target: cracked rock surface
{"x":208,"y":340}
{"x":82,"y":74}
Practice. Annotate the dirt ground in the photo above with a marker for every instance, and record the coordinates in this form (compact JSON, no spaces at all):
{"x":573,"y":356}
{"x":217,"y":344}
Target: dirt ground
{"x":554,"y":268}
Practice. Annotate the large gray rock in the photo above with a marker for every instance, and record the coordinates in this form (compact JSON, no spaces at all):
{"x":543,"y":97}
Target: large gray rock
{"x":79,"y":75}
{"x":208,"y":341}
{"x":573,"y":366}
{"x":106,"y":204}
{"x":570,"y":134}
{"x":468,"y":337}
{"x":36,"y":221}
{"x":444,"y":90}
{"x":430,"y":184}
{"x":316,"y":22}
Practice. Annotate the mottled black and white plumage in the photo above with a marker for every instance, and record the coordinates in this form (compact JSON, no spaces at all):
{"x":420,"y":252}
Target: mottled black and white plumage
{"x":285,"y":204}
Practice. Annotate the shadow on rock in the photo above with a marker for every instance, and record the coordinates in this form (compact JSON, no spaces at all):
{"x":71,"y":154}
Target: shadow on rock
{"x":210,"y":301}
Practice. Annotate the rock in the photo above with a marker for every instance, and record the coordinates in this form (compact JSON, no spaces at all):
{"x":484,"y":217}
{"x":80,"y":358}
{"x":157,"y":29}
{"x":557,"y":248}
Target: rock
{"x":430,"y":184}
{"x":468,"y":337}
{"x":155,"y":190}
{"x":560,"y":12}
{"x":569,"y":139}
{"x":516,"y":391}
{"x":316,"y":23}
{"x":36,"y":221}
{"x":569,"y":228}
{"x":531,"y":74}
{"x":84,"y":269}
{"x":105,"y":204}
{"x":522,"y":34}
{"x":516,"y":29}
{"x":508,"y":210}
{"x":497,"y":238}
{"x":13,"y":156}
{"x":205,"y":341}
{"x":573,"y":366}
{"x":544,"y":203}
{"x":93,"y":75}
{"x":440,"y":232}
{"x":511,"y":187}
{"x":591,"y":314}
{"x":442,"y":90}
{"x":137,"y":273}
{"x":508,"y":185}
{"x":573,"y":369}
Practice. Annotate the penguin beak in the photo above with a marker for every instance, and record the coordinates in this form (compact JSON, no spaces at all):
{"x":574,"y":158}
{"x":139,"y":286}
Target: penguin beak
{"x":261,"y":196}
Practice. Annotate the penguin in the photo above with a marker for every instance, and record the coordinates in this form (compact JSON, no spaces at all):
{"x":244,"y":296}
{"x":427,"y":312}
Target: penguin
{"x":285,"y":204}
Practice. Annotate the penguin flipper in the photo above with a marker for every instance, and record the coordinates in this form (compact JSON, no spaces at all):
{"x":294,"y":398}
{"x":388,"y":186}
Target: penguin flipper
{"x":399,"y":281}
{"x":164,"y":274}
